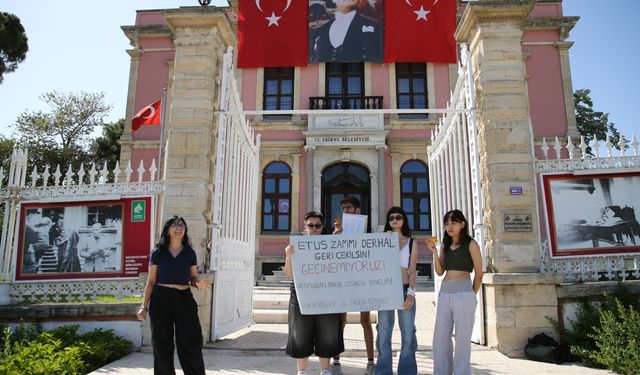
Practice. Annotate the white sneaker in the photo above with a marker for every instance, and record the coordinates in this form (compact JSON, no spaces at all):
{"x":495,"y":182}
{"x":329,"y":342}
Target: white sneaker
{"x":335,"y":370}
{"x":370,"y":370}
{"x":325,"y":372}
{"x":301,"y":373}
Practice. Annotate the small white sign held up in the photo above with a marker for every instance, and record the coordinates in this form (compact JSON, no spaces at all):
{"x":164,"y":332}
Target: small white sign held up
{"x":342,"y":273}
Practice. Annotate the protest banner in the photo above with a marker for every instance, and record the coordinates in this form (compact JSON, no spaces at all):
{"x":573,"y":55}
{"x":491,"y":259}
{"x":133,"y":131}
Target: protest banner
{"x":359,"y":272}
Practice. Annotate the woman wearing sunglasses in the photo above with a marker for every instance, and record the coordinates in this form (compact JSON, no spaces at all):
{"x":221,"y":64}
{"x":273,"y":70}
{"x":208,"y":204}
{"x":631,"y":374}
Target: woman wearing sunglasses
{"x":311,"y":334}
{"x":397,"y":223}
{"x":168,"y":298}
{"x":459,"y":255}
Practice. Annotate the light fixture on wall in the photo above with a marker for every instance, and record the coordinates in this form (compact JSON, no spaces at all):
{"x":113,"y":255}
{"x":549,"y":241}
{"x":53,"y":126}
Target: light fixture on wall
{"x":204,"y":3}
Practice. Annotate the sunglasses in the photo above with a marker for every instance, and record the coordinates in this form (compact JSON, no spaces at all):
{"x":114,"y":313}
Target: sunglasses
{"x":312,"y":226}
{"x":178,"y":225}
{"x":396,"y":217}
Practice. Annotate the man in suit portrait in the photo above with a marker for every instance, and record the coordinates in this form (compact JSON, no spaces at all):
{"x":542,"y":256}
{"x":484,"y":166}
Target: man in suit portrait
{"x":348,"y":37}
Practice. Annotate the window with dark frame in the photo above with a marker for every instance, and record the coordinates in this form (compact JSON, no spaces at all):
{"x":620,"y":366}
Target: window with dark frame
{"x":411,"y":88}
{"x":345,"y":84}
{"x":278,"y":91}
{"x":276,"y":198}
{"x":414,"y":194}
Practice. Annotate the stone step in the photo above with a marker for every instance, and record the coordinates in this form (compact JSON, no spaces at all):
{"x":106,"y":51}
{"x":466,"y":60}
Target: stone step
{"x":271,"y":278}
{"x":274,"y":284}
{"x":269,"y":316}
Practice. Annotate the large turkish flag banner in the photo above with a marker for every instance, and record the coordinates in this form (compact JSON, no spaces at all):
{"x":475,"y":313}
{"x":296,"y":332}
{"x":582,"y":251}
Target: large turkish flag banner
{"x":420,"y":31}
{"x":272,"y":33}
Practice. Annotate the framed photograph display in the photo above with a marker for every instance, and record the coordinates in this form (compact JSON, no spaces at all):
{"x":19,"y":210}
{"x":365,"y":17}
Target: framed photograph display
{"x":593,"y":214}
{"x":89,"y":239}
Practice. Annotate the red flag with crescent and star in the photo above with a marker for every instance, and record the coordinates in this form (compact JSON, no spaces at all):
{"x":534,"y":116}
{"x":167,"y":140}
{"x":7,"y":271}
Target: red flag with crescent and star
{"x":149,"y":115}
{"x":272,"y":33}
{"x":420,"y":31}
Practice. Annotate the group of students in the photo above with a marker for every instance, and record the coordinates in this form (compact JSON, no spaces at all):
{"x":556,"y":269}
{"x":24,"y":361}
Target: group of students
{"x":458,"y":256}
{"x":173,"y":270}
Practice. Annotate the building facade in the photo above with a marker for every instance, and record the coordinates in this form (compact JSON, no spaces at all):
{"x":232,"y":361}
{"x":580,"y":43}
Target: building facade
{"x":315,"y":150}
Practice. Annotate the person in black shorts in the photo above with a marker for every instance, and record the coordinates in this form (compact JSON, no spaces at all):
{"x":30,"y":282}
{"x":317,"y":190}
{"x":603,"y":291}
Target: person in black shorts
{"x":311,"y":334}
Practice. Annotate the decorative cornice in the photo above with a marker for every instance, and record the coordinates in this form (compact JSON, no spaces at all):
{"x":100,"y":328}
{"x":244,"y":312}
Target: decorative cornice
{"x":492,"y":11}
{"x":201,"y":18}
{"x":564,"y":24}
{"x":134,"y":33}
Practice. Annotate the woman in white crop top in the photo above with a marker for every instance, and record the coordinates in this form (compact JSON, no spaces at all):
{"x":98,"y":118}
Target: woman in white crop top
{"x":397,"y":222}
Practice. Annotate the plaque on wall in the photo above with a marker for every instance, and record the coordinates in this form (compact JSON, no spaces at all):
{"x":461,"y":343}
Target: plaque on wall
{"x":518,"y":223}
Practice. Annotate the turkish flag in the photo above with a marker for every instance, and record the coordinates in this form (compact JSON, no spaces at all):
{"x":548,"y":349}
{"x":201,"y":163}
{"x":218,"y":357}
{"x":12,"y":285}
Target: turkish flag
{"x":420,"y":31}
{"x":149,"y":115}
{"x":272,"y":33}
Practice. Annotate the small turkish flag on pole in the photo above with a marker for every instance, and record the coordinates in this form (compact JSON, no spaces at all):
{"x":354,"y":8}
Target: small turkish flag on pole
{"x":149,"y":115}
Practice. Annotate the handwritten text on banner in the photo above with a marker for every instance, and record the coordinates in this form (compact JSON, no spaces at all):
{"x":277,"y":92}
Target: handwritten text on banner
{"x":343,"y":273}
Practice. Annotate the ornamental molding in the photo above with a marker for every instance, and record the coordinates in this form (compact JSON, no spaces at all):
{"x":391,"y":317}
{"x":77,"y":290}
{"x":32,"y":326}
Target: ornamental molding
{"x":134,"y":33}
{"x":550,"y":22}
{"x":489,"y":11}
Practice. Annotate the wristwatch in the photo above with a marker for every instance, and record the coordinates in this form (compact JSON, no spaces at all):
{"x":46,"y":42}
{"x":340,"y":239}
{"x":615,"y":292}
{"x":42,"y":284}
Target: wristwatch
{"x":411,"y":291}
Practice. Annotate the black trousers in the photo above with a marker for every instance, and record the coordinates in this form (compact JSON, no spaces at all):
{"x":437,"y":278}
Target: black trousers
{"x":171,"y":308}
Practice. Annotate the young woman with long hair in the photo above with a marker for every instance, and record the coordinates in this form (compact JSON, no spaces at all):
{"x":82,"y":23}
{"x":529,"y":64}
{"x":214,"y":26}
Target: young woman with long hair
{"x":168,"y":299}
{"x":397,"y":223}
{"x":459,"y":255}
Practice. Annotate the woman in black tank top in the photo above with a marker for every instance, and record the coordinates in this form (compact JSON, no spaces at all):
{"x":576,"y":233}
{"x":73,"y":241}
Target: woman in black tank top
{"x":459,"y":255}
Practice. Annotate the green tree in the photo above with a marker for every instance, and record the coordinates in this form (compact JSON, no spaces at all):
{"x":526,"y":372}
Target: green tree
{"x":106,"y":148}
{"x":591,"y":122}
{"x":62,"y":135}
{"x":13,"y":43}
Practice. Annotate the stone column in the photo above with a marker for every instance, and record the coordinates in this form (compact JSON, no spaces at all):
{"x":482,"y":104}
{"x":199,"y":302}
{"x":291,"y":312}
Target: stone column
{"x":199,"y":42}
{"x":200,"y":36}
{"x":126,"y":140}
{"x":493,"y":30}
{"x":572,"y":127}
{"x":382,"y":205}
{"x":309,"y":165}
{"x":294,"y":207}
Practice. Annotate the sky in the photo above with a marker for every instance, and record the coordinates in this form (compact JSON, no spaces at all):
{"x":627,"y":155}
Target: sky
{"x":78,"y":46}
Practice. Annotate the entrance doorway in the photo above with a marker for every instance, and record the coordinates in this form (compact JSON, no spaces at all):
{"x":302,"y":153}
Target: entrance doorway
{"x":341,"y":180}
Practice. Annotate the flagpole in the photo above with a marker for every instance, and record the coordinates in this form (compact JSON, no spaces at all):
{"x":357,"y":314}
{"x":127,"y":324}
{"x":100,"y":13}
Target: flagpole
{"x":162,"y":106}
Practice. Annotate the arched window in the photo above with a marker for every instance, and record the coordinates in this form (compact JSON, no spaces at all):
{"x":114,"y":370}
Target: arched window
{"x":414,"y":194}
{"x":276,"y":198}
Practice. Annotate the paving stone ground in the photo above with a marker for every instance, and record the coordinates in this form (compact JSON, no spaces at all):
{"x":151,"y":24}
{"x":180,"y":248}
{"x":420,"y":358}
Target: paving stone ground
{"x":259,"y":350}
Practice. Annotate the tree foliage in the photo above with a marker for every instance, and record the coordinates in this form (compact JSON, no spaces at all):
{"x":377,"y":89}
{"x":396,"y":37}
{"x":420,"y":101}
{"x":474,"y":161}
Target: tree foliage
{"x":106,"y":148}
{"x":591,"y":122}
{"x":61,"y":136}
{"x":13,"y":43}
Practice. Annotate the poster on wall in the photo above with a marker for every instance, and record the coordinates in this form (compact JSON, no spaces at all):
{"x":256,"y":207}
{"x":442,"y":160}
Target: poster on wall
{"x":593,"y":214}
{"x":345,"y":30}
{"x":91,"y":239}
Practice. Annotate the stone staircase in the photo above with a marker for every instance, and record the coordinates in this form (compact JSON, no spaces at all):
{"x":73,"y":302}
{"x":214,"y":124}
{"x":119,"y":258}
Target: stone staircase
{"x":271,"y":305}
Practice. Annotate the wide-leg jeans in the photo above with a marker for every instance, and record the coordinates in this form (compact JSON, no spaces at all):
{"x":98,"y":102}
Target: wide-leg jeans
{"x":407,"y":361}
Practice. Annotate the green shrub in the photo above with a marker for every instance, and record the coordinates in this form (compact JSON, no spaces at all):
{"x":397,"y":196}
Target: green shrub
{"x":60,"y":351}
{"x":43,"y":356}
{"x":587,"y":328}
{"x":105,"y":347}
{"x":617,"y":342}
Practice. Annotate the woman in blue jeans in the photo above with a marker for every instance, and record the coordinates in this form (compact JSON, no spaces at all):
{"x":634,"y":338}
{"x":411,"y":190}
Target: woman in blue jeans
{"x":397,"y":222}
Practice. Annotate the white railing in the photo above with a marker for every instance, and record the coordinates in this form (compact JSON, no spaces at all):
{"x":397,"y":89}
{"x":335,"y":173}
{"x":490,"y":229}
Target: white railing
{"x":590,"y":267}
{"x":454,"y":172}
{"x":82,"y":184}
{"x":565,"y":160}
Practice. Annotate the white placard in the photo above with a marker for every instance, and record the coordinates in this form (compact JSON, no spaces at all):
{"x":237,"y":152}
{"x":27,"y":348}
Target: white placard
{"x":341,"y":273}
{"x":354,"y":224}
